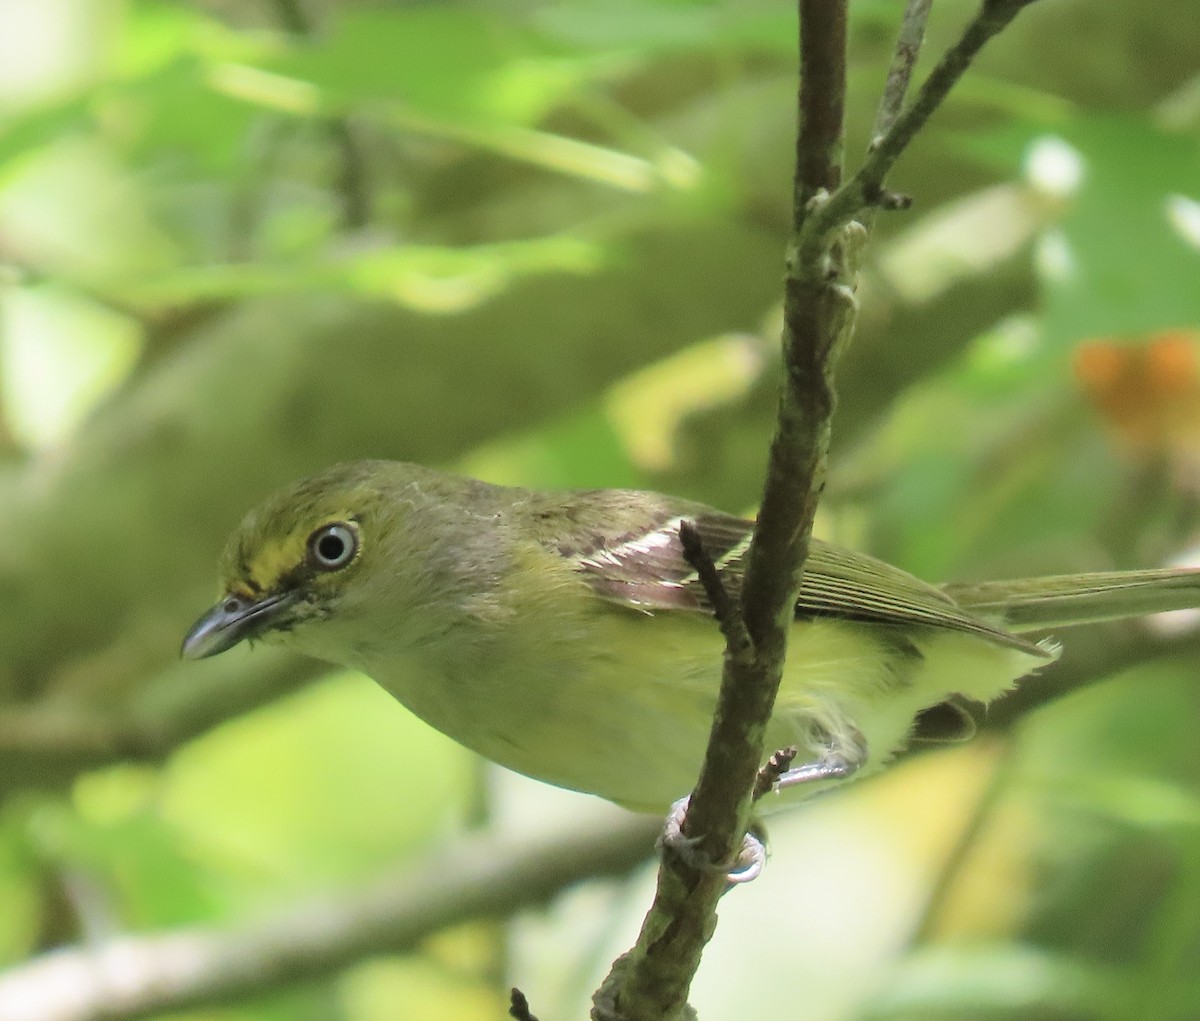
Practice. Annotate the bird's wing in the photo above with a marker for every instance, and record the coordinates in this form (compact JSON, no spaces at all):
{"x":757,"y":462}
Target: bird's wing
{"x":643,"y":567}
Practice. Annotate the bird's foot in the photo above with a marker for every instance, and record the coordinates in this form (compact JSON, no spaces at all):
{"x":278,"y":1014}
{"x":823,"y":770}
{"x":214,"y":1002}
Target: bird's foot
{"x":746,"y":866}
{"x":840,"y":761}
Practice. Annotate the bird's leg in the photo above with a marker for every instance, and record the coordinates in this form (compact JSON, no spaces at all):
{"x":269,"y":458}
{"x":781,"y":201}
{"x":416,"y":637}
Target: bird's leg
{"x":842,"y":755}
{"x":841,"y":758}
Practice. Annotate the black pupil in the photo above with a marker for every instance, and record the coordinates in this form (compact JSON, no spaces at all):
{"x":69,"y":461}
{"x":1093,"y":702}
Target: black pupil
{"x":331,"y":547}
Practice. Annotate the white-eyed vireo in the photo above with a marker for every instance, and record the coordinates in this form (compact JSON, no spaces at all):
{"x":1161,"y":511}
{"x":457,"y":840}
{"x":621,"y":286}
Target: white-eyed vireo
{"x":564,"y":635}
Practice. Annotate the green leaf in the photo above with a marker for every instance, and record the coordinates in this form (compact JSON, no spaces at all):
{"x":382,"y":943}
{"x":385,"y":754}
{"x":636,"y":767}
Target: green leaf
{"x":441,"y":60}
{"x":1129,"y":269}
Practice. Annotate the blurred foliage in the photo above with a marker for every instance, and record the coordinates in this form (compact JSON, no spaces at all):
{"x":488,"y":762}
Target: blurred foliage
{"x":541,"y":242}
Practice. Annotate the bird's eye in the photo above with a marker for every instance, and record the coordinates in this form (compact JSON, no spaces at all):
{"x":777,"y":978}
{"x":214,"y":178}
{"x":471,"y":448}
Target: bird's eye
{"x":332,"y":547}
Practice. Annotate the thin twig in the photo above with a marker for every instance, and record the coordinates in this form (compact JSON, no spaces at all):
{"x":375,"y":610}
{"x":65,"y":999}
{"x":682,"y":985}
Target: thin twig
{"x":909,"y":41}
{"x":652,"y":980}
{"x":726,"y":608}
{"x":518,"y":1006}
{"x":864,"y":188}
{"x":351,"y":178}
{"x":904,"y":59}
{"x":352,"y":181}
{"x":720,"y":807}
{"x":772,"y":770}
{"x":822,"y":102}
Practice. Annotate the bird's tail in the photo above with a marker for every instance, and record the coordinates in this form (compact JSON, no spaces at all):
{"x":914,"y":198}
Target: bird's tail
{"x":1030,"y":604}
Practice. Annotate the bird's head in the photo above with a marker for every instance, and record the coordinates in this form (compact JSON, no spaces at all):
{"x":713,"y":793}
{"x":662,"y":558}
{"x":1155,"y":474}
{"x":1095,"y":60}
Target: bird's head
{"x":300,"y":557}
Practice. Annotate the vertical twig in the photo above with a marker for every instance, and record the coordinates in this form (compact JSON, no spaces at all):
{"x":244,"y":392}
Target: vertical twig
{"x":822,"y":101}
{"x":863,"y":189}
{"x":796,"y":468}
{"x":351,"y":178}
{"x":904,"y":59}
{"x":652,"y":980}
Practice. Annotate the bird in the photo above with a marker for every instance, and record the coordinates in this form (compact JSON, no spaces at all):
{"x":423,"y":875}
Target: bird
{"x":566,"y":636}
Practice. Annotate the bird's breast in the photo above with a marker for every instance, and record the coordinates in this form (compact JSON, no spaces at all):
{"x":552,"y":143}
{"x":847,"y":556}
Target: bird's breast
{"x":620,"y":703}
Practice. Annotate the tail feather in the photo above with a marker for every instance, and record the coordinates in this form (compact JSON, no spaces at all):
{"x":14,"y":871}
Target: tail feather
{"x":1030,"y":604}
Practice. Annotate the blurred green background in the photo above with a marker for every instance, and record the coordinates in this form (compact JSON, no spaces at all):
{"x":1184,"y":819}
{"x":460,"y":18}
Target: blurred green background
{"x":541,"y":243}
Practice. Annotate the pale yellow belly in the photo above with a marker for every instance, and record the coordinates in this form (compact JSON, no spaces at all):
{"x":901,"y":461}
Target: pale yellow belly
{"x":631,"y":724}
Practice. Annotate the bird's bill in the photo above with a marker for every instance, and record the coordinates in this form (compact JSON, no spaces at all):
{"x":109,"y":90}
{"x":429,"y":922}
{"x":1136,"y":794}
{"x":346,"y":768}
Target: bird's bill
{"x":233,"y":620}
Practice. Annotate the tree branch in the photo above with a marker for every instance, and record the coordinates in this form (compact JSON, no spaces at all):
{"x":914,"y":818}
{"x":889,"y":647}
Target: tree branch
{"x":822,"y":102}
{"x":865,"y":187}
{"x":652,"y":980}
{"x":904,"y":59}
{"x":140,"y":976}
{"x":46,"y":745}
